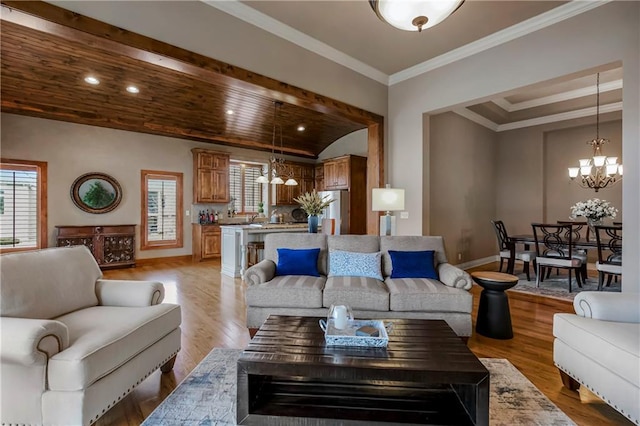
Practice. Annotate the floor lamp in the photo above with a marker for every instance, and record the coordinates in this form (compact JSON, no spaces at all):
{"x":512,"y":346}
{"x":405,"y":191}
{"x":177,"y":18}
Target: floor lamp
{"x":387,"y":200}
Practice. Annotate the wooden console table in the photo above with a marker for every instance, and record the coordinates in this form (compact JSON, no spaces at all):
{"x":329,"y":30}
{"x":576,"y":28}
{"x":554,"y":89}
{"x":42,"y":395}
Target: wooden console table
{"x":113,"y":246}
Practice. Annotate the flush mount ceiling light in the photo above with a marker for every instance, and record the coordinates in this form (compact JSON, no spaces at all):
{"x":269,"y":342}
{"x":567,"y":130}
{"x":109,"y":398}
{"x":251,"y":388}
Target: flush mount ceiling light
{"x":133,"y":89}
{"x":229,"y":112}
{"x":301,"y":128}
{"x":91,"y":80}
{"x":414,"y":15}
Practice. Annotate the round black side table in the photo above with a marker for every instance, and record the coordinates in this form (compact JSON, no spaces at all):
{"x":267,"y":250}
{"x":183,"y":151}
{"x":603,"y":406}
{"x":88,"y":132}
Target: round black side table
{"x":494,"y":317}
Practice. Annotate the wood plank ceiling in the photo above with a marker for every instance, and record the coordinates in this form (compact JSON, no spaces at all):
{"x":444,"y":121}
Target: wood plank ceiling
{"x":182,"y":94}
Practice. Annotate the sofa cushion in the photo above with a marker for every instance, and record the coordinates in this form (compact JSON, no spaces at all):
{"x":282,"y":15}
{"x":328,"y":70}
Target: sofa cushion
{"x":294,"y":240}
{"x":360,"y":293}
{"x":614,"y":345}
{"x":413,"y":264}
{"x":410,"y":243}
{"x":354,"y":264}
{"x":298,"y":262}
{"x":102,"y":338}
{"x":422,"y":294}
{"x":289,"y":291}
{"x":45,"y":284}
{"x":359,"y":243}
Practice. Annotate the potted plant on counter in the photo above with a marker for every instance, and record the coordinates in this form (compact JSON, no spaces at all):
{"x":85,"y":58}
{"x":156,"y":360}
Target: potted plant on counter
{"x":313,"y":204}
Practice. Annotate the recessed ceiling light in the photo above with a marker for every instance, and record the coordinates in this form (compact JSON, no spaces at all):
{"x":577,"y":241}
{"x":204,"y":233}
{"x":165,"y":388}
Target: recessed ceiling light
{"x":229,"y":112}
{"x":91,"y":80}
{"x":133,"y":89}
{"x":301,"y":128}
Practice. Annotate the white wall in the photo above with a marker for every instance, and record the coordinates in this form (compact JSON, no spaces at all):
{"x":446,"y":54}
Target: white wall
{"x":552,"y":52}
{"x":355,"y":143}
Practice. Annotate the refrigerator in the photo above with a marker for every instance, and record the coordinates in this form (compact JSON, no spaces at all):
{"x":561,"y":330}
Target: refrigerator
{"x":338,"y":210}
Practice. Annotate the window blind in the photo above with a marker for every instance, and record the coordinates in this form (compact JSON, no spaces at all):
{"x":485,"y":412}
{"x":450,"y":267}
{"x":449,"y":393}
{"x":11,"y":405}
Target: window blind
{"x":161,"y":209}
{"x":19,"y":214}
{"x":245,"y":192}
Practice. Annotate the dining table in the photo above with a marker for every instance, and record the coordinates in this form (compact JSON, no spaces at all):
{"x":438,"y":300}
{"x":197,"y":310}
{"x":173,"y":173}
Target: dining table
{"x":529,"y":239}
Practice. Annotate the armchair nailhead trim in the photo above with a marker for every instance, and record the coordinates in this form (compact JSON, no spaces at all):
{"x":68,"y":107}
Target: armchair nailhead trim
{"x":132,"y":387}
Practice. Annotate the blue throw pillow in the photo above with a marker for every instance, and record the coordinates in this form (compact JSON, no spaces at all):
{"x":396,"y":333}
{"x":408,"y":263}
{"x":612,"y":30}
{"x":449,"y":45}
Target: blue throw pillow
{"x":354,"y":264}
{"x":413,"y":264}
{"x":298,"y":262}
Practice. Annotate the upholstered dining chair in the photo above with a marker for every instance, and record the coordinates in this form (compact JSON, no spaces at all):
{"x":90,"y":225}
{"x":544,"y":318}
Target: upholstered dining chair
{"x":525,"y":256}
{"x":609,"y":240}
{"x":554,"y":249}
{"x":581,"y":232}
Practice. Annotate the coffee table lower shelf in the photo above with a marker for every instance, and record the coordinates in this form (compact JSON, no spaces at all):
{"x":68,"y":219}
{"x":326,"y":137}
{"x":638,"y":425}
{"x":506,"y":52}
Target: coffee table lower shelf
{"x":289,"y":401}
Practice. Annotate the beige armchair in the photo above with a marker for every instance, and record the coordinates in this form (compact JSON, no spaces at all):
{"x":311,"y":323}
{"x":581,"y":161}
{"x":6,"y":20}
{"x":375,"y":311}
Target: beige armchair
{"x":74,"y":344}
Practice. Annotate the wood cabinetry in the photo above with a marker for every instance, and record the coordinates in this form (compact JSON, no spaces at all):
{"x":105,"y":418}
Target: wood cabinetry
{"x":318,"y":177}
{"x":337,"y":172}
{"x":113,"y":246}
{"x":283,"y":195}
{"x":210,"y":176}
{"x":206,"y":242}
{"x":349,"y":173}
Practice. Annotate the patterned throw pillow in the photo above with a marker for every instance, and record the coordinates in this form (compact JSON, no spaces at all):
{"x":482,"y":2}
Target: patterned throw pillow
{"x":413,"y":264}
{"x":298,"y":262}
{"x":355,"y":264}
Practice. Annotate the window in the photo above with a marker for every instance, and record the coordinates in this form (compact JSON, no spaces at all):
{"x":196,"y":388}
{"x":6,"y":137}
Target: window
{"x":161,"y":210}
{"x":23,"y":205}
{"x":244,"y":191}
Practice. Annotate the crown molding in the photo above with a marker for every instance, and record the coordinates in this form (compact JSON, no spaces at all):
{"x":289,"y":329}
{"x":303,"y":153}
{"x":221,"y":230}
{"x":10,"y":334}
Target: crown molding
{"x":476,"y":118}
{"x":559,"y":97}
{"x":252,"y":16}
{"x":513,"y":32}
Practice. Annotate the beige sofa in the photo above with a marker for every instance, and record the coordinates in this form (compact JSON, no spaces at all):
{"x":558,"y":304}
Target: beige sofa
{"x":74,"y":344}
{"x":599,"y":347}
{"x":447,"y":298}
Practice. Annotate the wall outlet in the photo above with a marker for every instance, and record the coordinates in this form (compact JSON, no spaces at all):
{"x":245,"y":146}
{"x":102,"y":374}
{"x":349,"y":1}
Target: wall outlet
{"x":187,"y":212}
{"x":459,"y":256}
{"x":404,"y":215}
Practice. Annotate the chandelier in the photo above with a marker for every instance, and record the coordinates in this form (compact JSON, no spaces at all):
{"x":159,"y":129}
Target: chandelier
{"x":600,"y":171}
{"x":277,"y":165}
{"x":414,"y":15}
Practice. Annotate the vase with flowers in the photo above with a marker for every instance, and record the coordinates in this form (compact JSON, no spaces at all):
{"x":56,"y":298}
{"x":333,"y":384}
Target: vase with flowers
{"x":594,"y":210}
{"x":313,"y":204}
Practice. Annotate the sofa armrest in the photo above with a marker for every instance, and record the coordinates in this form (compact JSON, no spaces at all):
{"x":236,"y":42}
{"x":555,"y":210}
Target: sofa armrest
{"x":453,"y":276}
{"x":261,"y":272}
{"x":619,"y":307}
{"x":27,"y":341}
{"x":129,"y":293}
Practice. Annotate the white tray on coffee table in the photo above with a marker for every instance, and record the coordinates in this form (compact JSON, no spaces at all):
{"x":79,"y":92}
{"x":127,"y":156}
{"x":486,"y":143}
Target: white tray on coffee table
{"x":347,"y":336}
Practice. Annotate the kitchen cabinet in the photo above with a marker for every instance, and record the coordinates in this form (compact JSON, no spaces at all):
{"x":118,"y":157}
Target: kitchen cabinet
{"x":318,"y":177}
{"x":113,"y":246}
{"x":349,"y":173}
{"x":206,"y":242}
{"x":283,"y":195}
{"x":210,"y":176}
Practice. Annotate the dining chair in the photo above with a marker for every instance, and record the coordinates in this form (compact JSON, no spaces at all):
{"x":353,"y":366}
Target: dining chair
{"x":580,"y":231}
{"x":554,"y":249}
{"x":609,"y":240}
{"x":526,"y":256}
{"x":617,"y":223}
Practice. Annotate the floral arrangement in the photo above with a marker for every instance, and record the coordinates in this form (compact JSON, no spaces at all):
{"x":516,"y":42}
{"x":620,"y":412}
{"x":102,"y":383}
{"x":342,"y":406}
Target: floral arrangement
{"x":594,"y":209}
{"x":312,"y":203}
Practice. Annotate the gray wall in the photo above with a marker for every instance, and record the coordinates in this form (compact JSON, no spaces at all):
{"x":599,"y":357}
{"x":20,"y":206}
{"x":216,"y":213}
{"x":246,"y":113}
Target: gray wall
{"x":462,"y":186}
{"x":537,"y":57}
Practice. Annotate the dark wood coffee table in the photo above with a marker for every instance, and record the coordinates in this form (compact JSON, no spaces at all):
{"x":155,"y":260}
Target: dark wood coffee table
{"x":426,"y":375}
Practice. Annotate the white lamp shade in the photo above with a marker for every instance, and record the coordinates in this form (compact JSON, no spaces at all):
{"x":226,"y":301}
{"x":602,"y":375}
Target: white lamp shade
{"x":599,"y":160}
{"x":584,"y":162}
{"x":620,"y":169}
{"x":401,"y":13}
{"x":612,"y":169}
{"x":573,"y":172}
{"x":612,"y":160}
{"x":277,"y":181}
{"x":584,"y":170}
{"x":291,"y":182}
{"x":262,"y":179}
{"x":387,"y":199}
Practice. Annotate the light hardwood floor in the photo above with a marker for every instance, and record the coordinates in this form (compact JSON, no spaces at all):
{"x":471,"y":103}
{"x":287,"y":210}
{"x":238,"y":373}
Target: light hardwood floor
{"x":213,"y":315}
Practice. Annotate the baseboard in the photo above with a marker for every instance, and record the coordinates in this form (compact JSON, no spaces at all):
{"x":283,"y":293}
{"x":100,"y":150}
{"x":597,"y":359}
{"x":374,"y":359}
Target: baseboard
{"x":478,"y":262}
{"x":156,"y":260}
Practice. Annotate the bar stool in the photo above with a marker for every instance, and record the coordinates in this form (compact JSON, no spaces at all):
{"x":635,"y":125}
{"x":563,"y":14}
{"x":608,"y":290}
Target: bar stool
{"x":253,"y":252}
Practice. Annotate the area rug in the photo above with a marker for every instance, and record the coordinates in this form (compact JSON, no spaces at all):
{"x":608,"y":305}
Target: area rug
{"x":208,"y":396}
{"x":557,"y":286}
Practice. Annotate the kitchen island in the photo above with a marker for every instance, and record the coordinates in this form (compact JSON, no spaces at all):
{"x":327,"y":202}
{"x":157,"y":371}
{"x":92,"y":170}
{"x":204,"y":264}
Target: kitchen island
{"x":236,"y":237}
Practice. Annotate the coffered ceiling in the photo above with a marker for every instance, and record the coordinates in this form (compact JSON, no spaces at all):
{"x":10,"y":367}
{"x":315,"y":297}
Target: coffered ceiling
{"x":47,"y":51}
